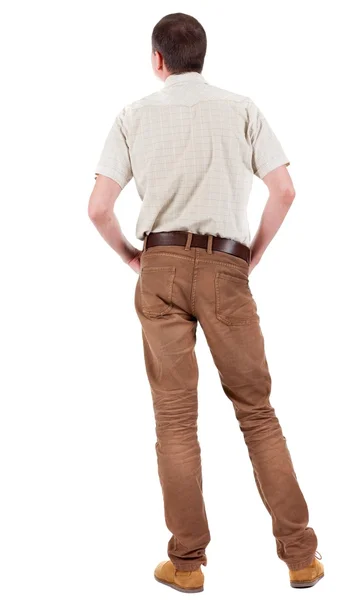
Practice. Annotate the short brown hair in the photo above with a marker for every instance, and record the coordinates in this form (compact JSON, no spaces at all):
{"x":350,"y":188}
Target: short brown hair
{"x":181,"y":40}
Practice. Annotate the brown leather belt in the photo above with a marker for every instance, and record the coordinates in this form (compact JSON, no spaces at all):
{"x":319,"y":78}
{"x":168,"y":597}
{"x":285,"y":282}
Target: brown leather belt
{"x":179,"y":238}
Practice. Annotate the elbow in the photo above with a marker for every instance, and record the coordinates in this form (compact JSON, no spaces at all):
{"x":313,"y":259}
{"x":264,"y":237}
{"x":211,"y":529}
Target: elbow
{"x":97,"y":213}
{"x":287,"y":195}
{"x":93,"y":213}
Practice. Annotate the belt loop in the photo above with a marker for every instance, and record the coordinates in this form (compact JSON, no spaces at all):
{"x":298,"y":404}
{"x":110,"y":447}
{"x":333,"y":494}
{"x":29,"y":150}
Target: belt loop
{"x":209,"y":243}
{"x":145,"y":240}
{"x":188,"y":241}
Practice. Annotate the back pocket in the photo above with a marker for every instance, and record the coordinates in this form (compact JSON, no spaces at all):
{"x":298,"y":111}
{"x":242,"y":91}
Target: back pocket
{"x":234,"y":302}
{"x":156,"y":288}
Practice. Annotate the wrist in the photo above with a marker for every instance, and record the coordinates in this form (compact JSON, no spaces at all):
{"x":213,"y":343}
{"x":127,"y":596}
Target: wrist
{"x":127,"y":251}
{"x":127,"y":258}
{"x":255,"y":259}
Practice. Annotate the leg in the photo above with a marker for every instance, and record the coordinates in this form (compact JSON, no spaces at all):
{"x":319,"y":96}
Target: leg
{"x":227,"y":314}
{"x":171,"y":366}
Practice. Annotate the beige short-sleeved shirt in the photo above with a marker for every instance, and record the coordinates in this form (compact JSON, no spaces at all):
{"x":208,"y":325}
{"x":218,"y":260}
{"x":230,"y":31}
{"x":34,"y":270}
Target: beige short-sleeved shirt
{"x":192,"y":149}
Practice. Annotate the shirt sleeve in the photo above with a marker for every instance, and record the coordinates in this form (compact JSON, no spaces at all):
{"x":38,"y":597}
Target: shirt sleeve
{"x":267,"y":152}
{"x":114,"y":159}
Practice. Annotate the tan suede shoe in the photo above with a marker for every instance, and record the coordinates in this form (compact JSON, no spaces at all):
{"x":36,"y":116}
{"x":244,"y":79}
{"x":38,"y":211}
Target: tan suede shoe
{"x":182,"y":581}
{"x":308,"y":576}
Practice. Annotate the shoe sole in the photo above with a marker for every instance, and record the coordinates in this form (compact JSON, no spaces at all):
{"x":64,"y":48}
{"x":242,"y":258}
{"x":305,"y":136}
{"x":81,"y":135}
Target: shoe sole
{"x":180,"y":589}
{"x":306,"y":584}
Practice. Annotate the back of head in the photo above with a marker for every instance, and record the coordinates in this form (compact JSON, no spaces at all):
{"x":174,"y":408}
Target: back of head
{"x":181,"y":40}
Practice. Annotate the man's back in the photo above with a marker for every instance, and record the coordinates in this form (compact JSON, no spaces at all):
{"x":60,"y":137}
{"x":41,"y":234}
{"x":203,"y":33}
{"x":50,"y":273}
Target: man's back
{"x":193,"y":149}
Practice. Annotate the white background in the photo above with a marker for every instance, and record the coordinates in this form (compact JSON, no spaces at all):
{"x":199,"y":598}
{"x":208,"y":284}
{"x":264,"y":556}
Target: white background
{"x":81,"y":509}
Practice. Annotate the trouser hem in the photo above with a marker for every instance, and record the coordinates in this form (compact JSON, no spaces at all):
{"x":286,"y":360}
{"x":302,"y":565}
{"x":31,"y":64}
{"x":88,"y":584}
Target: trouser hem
{"x":188,"y":566}
{"x":302,"y":564}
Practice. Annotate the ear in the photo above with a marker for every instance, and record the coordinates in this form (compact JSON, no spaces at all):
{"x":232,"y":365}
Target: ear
{"x":159,"y":60}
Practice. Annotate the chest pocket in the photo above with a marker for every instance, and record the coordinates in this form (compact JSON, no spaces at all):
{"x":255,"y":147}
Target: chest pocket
{"x":234,"y":302}
{"x":156,"y":290}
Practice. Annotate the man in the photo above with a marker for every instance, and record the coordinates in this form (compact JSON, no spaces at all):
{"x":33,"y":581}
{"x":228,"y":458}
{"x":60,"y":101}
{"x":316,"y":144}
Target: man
{"x":193,"y":150}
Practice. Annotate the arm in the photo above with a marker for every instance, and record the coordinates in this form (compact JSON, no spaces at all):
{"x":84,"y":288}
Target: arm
{"x":269,"y":163}
{"x":114,"y":171}
{"x":100,"y":211}
{"x":281,"y":196}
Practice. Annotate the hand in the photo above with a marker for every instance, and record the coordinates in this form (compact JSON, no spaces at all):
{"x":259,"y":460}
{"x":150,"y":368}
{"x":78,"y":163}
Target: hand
{"x":134,"y":262}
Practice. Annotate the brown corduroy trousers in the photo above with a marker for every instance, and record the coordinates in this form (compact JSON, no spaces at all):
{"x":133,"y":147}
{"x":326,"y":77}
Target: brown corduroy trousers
{"x":176,"y":288}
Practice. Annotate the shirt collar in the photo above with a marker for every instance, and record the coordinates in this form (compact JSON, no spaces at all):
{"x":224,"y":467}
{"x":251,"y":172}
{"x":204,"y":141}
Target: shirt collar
{"x":188,"y":77}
